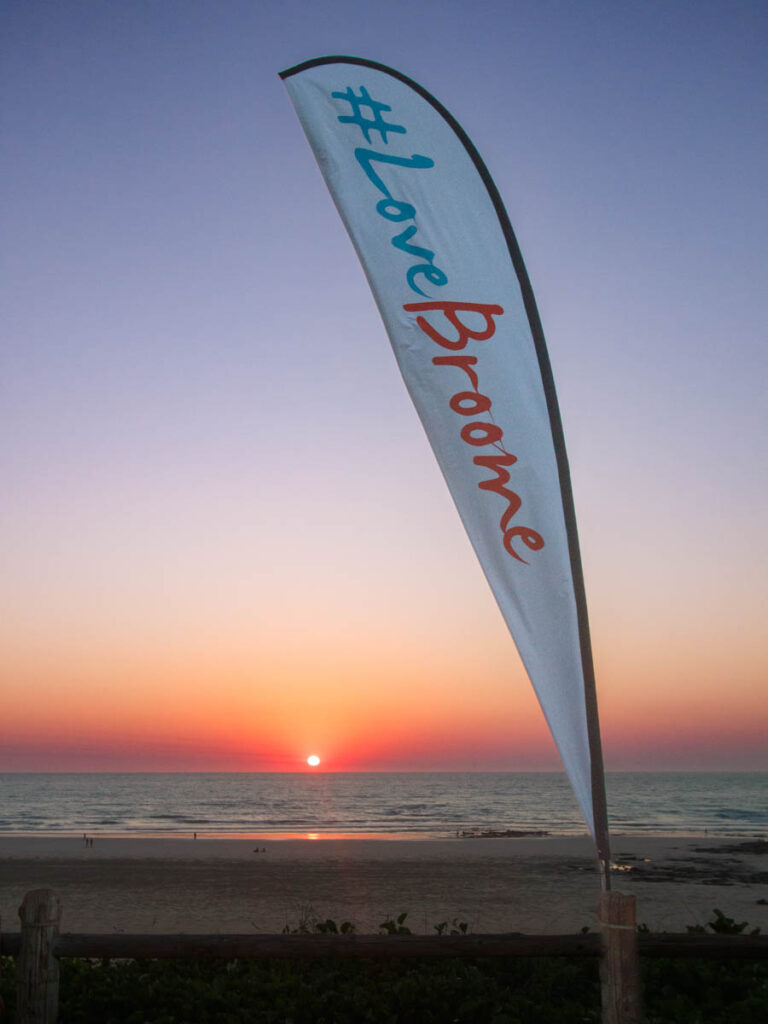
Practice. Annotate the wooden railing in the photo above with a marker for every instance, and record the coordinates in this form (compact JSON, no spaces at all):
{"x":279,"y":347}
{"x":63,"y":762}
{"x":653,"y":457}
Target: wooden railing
{"x":39,"y":945}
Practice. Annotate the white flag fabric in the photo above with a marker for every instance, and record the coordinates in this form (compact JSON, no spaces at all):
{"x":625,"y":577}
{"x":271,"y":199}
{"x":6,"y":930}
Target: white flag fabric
{"x":442,"y":261}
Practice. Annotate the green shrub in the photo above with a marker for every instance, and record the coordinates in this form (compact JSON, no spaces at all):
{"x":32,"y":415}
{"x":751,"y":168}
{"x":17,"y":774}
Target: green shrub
{"x":513,"y":990}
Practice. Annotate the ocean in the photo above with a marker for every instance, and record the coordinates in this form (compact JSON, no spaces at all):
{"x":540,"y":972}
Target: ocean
{"x":389,"y":805}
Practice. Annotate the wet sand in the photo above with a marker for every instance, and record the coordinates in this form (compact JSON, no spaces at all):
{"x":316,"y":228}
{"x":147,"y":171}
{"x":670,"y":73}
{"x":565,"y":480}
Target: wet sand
{"x":535,"y":885}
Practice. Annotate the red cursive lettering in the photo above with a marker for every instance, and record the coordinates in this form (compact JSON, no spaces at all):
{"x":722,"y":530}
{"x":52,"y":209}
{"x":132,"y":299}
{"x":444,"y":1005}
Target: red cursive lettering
{"x":451,"y":310}
{"x":497,"y":464}
{"x":479,"y":433}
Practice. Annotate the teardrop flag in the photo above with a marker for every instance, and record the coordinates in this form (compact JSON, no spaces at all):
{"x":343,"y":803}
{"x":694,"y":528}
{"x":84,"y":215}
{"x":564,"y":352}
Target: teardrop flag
{"x":445,"y":269}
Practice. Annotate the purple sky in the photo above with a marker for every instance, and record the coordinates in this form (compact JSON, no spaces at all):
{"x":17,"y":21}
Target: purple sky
{"x":209,"y":459}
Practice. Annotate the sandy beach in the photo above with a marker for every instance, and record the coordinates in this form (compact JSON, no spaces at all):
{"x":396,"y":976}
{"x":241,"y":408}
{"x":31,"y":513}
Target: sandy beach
{"x":535,"y":885}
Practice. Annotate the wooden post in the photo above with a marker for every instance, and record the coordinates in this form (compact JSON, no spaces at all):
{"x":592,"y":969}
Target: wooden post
{"x":38,"y":968}
{"x":620,"y":963}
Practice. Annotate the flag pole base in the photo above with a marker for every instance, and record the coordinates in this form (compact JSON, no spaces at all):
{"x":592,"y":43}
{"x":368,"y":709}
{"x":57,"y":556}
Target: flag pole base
{"x":620,"y":962}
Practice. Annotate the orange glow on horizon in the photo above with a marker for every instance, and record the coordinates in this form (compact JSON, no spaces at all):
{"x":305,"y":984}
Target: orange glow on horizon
{"x":442,"y":689}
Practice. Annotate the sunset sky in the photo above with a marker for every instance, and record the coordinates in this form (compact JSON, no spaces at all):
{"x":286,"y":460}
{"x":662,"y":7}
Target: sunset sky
{"x":224,"y":541}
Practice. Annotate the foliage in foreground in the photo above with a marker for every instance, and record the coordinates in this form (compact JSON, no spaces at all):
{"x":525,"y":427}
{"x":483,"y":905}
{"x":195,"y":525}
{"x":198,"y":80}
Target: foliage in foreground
{"x":463,"y":991}
{"x":329,"y":992}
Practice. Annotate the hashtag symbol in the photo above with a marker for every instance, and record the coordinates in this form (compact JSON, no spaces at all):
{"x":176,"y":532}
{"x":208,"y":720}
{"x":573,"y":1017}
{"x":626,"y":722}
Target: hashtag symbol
{"x":374,"y":122}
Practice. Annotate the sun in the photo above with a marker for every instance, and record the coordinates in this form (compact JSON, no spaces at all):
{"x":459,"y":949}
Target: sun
{"x":313,"y":760}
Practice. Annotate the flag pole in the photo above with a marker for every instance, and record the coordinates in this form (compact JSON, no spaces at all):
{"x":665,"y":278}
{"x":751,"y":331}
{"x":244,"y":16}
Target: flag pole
{"x":620,"y":962}
{"x":599,"y":802}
